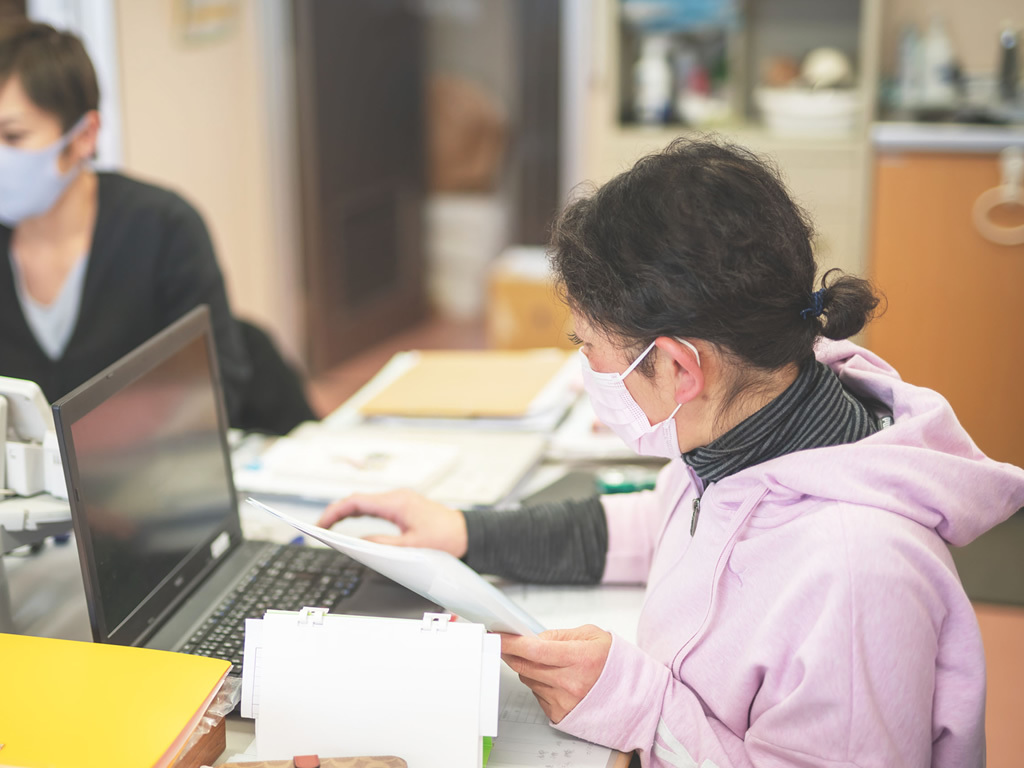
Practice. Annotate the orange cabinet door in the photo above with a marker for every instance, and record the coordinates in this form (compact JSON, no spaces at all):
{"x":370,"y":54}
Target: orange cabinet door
{"x":955,"y":316}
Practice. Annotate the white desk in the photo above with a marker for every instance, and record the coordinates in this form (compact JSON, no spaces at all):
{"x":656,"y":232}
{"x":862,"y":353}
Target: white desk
{"x":614,"y":608}
{"x":48,"y":600}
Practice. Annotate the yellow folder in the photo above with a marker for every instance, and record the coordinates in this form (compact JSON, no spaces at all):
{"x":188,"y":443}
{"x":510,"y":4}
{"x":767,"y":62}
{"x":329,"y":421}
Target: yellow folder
{"x":468,"y":384}
{"x":68,"y":704}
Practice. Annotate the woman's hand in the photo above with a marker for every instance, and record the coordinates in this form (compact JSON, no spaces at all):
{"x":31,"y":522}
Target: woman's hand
{"x":560,"y":666}
{"x":423,"y":523}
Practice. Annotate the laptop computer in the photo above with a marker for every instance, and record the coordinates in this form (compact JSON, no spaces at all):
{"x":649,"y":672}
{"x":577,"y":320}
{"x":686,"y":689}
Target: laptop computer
{"x":155,"y":511}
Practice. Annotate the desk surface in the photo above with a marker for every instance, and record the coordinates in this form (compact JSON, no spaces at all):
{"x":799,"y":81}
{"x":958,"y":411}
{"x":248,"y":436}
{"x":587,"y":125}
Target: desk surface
{"x":48,"y":600}
{"x":615,"y":608}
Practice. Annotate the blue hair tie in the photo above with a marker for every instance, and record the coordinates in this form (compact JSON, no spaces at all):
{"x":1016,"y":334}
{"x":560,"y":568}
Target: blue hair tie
{"x":817,"y":305}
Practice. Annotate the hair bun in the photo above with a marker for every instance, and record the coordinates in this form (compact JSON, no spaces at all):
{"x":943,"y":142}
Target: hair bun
{"x":847,"y":302}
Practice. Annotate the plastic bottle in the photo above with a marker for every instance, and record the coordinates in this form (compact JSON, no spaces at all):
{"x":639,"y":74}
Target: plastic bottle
{"x":1009,"y":62}
{"x":652,"y":81}
{"x":938,"y":88}
{"x":910,"y":68}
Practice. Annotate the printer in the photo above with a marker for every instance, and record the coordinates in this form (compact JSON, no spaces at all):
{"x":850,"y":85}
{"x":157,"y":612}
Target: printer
{"x":29,"y":457}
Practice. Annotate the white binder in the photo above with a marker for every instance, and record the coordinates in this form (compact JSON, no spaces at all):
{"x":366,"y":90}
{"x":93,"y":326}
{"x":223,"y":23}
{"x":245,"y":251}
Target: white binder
{"x":319,"y":683}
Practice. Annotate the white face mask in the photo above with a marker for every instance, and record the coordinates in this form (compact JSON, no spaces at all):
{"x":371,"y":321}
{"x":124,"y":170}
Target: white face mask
{"x":618,"y":411}
{"x":31,"y":181}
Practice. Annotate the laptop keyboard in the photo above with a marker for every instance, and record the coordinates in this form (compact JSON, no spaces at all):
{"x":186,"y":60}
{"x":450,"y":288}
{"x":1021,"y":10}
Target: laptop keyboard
{"x":287,"y":578}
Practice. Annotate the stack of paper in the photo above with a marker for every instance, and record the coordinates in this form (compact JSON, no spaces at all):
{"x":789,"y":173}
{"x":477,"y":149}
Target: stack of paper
{"x":457,"y":467}
{"x":469,"y":384}
{"x":284,"y":710}
{"x":582,"y":437}
{"x":69,"y":704}
{"x":321,"y":465}
{"x":525,"y":390}
{"x":426,"y":691}
{"x":526,"y":738}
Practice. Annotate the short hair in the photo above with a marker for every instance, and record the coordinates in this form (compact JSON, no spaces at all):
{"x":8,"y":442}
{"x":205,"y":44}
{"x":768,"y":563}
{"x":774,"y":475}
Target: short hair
{"x":702,"y":240}
{"x":53,"y":67}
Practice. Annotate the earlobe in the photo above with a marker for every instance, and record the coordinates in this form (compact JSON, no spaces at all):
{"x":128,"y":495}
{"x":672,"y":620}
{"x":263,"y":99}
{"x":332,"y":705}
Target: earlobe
{"x":689,"y":383}
{"x":83,"y":145}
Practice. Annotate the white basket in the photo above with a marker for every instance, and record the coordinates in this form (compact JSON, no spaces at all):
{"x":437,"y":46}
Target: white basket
{"x":827,"y":112}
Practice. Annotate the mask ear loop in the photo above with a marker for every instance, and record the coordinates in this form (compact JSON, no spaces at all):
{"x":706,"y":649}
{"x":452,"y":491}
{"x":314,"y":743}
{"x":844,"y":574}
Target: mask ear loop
{"x":643,"y":354}
{"x":73,"y":133}
{"x":696,"y":354}
{"x":692,"y":348}
{"x":650,"y":346}
{"x":636,"y":362}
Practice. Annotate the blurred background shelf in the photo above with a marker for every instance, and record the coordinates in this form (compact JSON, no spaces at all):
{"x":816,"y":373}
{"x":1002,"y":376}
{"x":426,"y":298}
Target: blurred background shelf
{"x":828,"y":175}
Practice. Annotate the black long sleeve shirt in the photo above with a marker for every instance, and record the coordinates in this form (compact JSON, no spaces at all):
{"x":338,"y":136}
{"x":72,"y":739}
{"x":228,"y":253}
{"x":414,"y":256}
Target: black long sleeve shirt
{"x":559,"y":543}
{"x":151,"y":261}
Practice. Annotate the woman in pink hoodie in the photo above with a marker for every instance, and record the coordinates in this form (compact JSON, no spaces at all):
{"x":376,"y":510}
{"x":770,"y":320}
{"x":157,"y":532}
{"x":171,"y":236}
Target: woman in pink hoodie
{"x":802,"y":608}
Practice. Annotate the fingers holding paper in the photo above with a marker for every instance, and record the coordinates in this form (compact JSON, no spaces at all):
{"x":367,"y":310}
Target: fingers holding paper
{"x":560,"y":666}
{"x":422,"y":522}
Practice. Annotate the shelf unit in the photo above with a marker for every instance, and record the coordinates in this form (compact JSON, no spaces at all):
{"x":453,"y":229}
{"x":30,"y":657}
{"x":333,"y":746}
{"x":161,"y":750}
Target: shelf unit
{"x":829,"y":177}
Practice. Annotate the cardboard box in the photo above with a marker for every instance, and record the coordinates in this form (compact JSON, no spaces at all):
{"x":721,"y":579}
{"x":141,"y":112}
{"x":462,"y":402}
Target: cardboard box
{"x":523,"y":308}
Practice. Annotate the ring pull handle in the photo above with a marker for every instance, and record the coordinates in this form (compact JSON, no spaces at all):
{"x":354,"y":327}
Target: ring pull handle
{"x":1011,"y":190}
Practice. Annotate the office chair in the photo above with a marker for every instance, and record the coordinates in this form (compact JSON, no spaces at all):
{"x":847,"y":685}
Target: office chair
{"x":274,"y":401}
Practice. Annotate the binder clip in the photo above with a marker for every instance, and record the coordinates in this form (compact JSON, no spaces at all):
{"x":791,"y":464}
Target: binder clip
{"x":313,"y":616}
{"x":435,"y":622}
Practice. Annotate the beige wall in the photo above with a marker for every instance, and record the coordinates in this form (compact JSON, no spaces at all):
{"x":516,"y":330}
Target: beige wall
{"x":195,"y":120}
{"x":972,"y":25}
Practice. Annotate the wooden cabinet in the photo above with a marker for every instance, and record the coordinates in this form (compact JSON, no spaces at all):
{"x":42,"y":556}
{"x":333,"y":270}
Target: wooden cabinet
{"x":955,"y":317}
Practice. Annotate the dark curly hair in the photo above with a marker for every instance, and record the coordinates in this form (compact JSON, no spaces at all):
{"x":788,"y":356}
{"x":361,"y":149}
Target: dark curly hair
{"x":702,"y":240}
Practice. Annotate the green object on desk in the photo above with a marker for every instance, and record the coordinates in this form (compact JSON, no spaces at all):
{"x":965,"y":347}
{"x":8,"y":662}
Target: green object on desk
{"x":626,"y":479}
{"x":488,"y":744}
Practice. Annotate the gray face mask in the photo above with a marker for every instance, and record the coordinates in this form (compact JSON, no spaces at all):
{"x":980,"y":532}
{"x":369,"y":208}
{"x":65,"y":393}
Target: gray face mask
{"x":31,"y":181}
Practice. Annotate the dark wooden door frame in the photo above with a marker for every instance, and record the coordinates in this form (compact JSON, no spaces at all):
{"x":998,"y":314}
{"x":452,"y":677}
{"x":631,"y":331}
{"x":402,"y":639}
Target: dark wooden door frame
{"x":538,"y":157}
{"x":362,"y":188}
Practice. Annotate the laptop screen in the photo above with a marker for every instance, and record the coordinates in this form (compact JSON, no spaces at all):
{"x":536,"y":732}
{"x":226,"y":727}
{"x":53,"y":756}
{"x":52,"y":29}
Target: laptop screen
{"x":149,"y":479}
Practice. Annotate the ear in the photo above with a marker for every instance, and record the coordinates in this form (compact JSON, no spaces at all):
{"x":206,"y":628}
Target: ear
{"x":83,"y":145}
{"x":688,"y":375}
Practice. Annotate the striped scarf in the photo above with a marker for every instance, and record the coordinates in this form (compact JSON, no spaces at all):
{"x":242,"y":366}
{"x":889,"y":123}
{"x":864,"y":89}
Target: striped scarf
{"x":815,"y":411}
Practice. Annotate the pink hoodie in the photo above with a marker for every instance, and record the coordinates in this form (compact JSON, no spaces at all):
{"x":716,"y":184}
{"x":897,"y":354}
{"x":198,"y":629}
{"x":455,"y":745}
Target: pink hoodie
{"x":815,"y":618}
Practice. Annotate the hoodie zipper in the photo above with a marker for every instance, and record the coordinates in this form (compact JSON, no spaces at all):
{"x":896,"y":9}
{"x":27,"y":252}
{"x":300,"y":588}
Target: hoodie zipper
{"x":695,"y":516}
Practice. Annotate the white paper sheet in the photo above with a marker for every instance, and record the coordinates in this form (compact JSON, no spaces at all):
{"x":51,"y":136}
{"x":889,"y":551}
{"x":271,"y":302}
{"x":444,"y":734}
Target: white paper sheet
{"x":490,"y":689}
{"x":324,"y":676}
{"x":251,"y":673}
{"x":435,"y":575}
{"x":366,"y":685}
{"x":527,"y":740}
{"x":487,"y":468}
{"x":327,"y":465}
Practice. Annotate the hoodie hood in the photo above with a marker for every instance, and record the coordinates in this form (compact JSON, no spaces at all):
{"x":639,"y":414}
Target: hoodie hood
{"x":924,"y":467}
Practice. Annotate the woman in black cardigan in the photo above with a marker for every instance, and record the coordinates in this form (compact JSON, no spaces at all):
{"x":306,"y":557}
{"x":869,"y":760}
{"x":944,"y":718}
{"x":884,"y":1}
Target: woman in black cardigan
{"x":91,"y":264}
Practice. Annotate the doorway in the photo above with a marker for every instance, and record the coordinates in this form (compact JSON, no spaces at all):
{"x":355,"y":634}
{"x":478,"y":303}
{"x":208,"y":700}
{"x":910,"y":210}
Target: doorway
{"x":360,"y":91}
